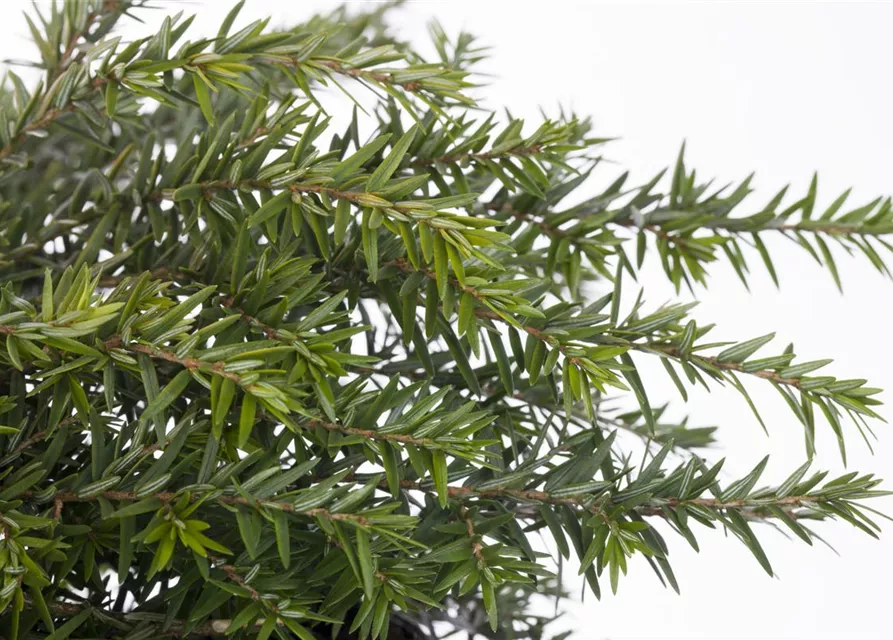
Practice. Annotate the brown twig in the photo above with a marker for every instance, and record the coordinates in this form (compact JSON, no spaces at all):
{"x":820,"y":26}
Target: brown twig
{"x":365,"y":74}
{"x":459,"y":157}
{"x":477,"y":549}
{"x":581,"y":501}
{"x":371,"y":434}
{"x":166,"y":497}
{"x":208,"y":187}
{"x":193,"y":364}
{"x":541,"y":221}
{"x":737,"y":367}
{"x":556,"y":232}
{"x":234,"y":576}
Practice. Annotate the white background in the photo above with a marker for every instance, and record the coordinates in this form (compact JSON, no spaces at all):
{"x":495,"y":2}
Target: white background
{"x":780,"y":88}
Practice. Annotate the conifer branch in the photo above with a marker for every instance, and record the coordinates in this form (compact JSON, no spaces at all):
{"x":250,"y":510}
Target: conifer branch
{"x":166,"y":497}
{"x":237,"y":327}
{"x":757,"y":509}
{"x":450,"y":158}
{"x":753,"y":508}
{"x":648,"y":347}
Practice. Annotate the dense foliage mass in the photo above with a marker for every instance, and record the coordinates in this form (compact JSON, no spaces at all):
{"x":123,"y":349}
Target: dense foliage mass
{"x":268,"y":373}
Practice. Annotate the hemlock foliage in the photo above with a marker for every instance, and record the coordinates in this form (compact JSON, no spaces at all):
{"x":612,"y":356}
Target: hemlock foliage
{"x":271,"y":373}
